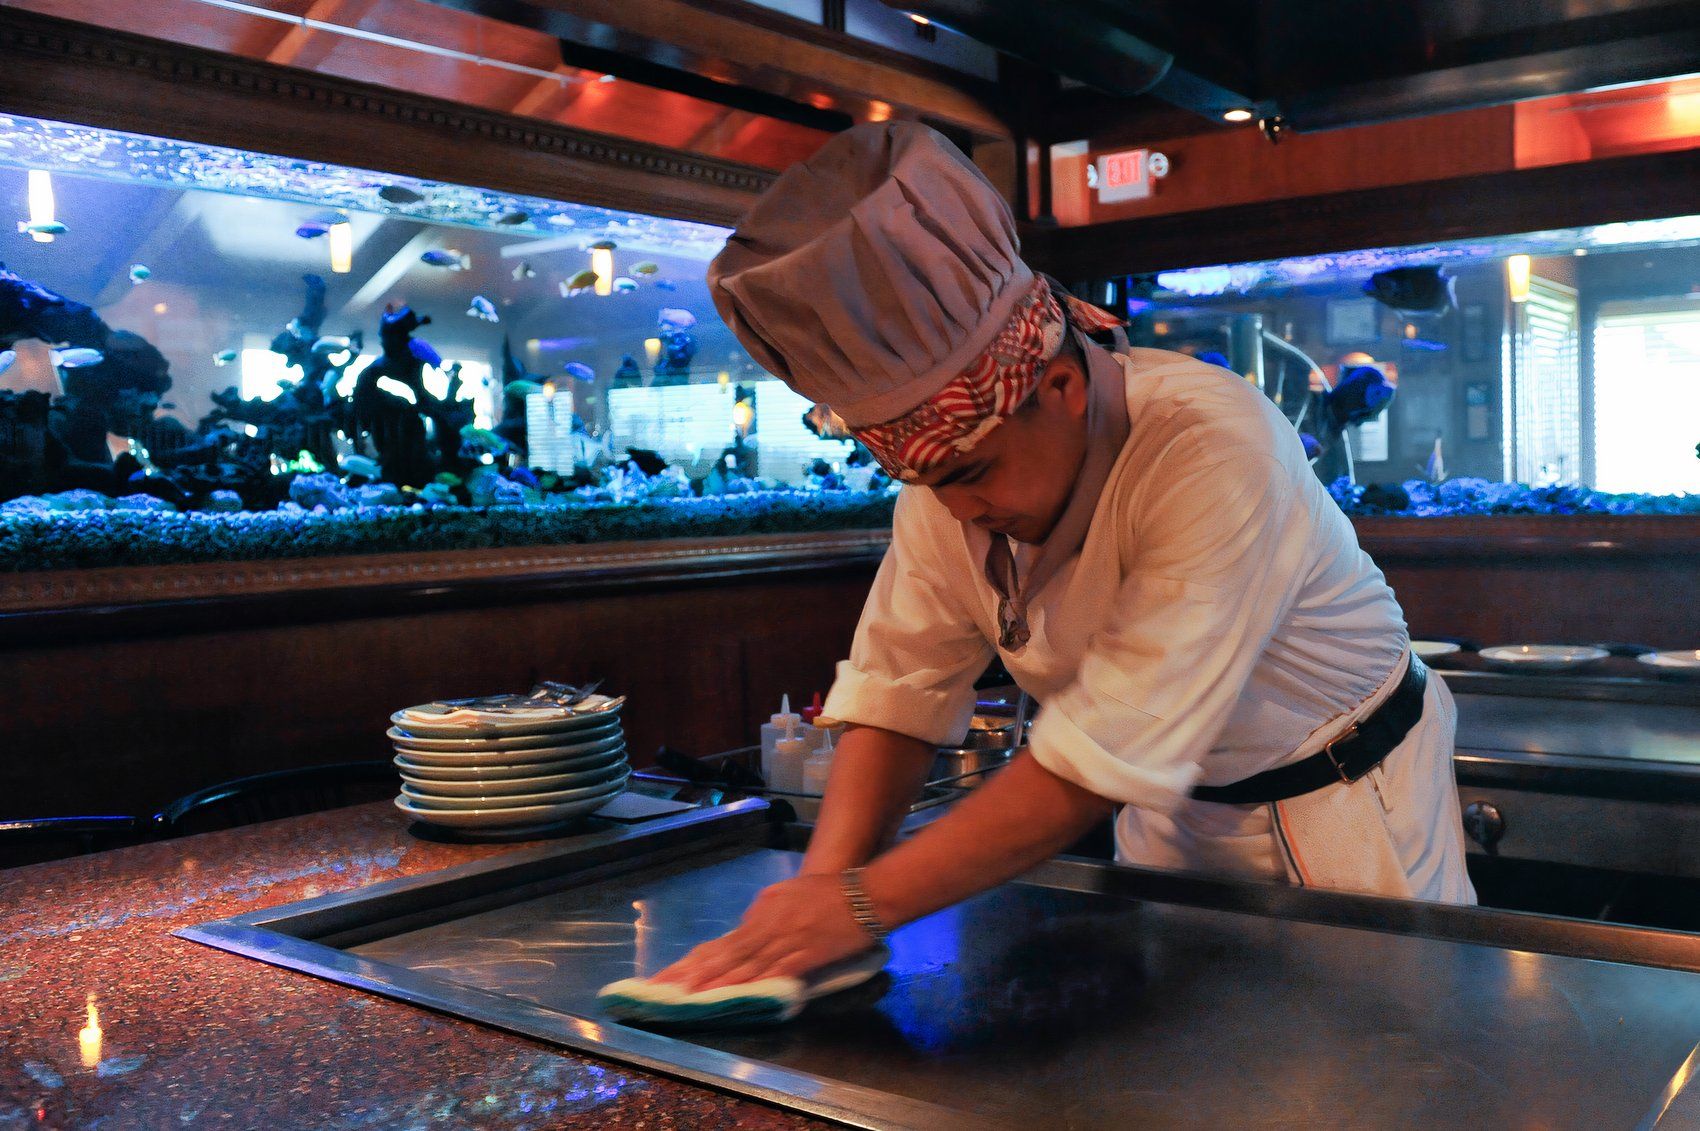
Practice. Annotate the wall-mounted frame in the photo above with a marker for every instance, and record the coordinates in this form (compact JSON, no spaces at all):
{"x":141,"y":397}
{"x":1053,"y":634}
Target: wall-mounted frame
{"x":1474,"y":333}
{"x":1352,"y":321}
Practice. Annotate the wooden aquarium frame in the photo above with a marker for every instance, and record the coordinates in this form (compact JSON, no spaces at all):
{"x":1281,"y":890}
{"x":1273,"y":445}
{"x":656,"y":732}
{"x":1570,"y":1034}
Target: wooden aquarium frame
{"x":66,"y":71}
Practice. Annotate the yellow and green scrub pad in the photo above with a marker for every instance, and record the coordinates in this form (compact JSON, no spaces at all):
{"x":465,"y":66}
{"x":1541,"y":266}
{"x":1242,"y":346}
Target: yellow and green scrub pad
{"x":768,"y":1001}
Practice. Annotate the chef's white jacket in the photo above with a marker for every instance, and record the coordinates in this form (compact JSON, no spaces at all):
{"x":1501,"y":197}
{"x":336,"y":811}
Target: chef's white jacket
{"x":1219,"y":620}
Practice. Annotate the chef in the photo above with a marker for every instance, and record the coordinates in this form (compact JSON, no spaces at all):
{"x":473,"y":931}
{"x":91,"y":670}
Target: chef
{"x":1135,"y":534}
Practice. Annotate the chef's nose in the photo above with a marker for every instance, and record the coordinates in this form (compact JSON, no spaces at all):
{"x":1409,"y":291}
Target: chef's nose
{"x":963,"y":505}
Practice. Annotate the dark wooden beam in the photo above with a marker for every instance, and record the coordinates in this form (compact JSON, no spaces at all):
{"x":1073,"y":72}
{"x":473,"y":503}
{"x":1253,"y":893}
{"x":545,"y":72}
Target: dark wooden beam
{"x":1525,"y":200}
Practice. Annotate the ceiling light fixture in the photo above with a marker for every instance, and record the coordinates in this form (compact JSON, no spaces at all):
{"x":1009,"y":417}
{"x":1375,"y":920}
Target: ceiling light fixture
{"x":1237,"y":114}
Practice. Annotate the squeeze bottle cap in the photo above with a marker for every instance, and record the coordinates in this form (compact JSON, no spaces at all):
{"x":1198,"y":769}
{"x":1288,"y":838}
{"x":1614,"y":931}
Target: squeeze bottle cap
{"x":785,"y":718}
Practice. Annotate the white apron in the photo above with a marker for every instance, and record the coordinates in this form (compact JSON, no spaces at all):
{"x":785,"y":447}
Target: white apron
{"x":1396,"y":831}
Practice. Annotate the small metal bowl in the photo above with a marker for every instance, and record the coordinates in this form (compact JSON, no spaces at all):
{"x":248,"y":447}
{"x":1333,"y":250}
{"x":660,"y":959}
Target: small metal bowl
{"x":967,"y":767}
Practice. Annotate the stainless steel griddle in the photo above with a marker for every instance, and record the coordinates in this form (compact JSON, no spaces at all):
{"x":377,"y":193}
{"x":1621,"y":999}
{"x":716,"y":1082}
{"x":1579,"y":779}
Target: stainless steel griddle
{"x":1083,"y":995}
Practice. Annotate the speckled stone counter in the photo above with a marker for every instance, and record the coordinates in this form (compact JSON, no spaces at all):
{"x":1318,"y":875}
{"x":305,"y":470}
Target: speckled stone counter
{"x":194,"y":1037}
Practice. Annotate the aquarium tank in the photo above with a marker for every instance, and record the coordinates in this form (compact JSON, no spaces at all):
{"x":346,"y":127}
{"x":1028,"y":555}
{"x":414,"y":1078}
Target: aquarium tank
{"x":209,"y":354}
{"x":1548,"y":372}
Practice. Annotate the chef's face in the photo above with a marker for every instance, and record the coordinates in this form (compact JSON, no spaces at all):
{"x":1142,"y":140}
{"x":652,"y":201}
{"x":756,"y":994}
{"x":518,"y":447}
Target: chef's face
{"x":1018,"y":479}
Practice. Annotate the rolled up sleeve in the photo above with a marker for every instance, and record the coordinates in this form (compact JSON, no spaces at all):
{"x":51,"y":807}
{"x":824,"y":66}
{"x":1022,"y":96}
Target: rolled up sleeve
{"x":917,"y":650}
{"x":1215,"y":556}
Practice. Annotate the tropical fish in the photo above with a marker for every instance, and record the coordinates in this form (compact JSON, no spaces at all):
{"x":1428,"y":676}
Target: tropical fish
{"x":672,"y":318}
{"x":580,"y":281}
{"x":561,"y":221}
{"x":454,"y":260}
{"x":604,"y":245}
{"x":312,"y":229}
{"x":580,"y":370}
{"x":525,"y":270}
{"x":7,"y":359}
{"x":515,"y":217}
{"x":423,"y":350}
{"x":77,"y":358}
{"x":397,"y":194}
{"x":361,"y":465}
{"x":521,"y":388}
{"x":1422,"y":344}
{"x":1434,"y":469}
{"x":225,"y":357}
{"x":324,"y":347}
{"x":139,"y":273}
{"x":666,"y":285}
{"x":624,"y":286}
{"x":646,"y":269}
{"x":482,"y":308}
{"x":43,"y":227}
{"x":1413,"y":291}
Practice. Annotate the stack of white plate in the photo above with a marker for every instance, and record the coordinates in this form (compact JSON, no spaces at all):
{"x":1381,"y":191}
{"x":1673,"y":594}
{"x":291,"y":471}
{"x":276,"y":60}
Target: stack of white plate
{"x":513,"y":768}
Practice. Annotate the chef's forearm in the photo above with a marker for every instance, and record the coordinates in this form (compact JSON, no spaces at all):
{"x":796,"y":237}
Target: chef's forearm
{"x":1023,"y":816}
{"x":875,"y":776}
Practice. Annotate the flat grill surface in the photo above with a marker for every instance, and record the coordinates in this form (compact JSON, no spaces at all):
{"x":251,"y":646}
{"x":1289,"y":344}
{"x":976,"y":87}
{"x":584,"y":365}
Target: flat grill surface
{"x":1050,"y":1008}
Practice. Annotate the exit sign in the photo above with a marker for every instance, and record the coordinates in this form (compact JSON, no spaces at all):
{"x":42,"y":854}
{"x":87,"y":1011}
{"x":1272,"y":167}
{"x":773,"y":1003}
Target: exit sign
{"x":1127,"y":175}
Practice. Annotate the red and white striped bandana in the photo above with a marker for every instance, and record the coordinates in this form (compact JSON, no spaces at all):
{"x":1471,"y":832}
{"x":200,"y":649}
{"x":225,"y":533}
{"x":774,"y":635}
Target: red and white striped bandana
{"x":961,"y":414}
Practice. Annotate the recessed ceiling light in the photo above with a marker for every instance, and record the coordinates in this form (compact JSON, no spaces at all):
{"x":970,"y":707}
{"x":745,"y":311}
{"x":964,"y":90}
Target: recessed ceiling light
{"x":922,"y":20}
{"x":1237,"y":114}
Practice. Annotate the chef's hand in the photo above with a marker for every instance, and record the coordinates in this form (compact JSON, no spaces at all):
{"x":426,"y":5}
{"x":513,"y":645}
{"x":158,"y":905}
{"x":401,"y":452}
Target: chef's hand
{"x":792,"y":928}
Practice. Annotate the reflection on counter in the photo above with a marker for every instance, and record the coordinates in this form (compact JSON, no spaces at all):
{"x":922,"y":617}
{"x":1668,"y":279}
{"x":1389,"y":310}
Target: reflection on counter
{"x":1549,"y":372}
{"x":207,"y":352}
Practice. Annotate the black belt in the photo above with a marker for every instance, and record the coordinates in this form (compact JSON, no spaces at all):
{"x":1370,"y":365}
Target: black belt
{"x":1345,"y":759}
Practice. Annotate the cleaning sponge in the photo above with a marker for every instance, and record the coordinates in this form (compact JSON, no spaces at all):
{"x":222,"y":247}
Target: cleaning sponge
{"x":768,"y":1001}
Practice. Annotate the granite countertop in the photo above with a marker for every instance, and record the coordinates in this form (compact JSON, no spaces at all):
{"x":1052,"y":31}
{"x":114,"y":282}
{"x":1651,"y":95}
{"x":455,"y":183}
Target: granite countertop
{"x":193,"y":1037}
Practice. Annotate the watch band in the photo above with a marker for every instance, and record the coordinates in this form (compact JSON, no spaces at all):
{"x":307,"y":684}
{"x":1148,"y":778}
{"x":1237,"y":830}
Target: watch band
{"x":861,"y":907}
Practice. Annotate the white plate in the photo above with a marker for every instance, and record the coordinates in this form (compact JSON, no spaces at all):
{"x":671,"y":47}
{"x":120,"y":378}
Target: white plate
{"x":510,"y":757}
{"x":441,"y":720}
{"x":506,"y":770}
{"x":1673,"y":663}
{"x":516,"y":800}
{"x":518,"y":742}
{"x":507,"y":787}
{"x":1543,"y":657}
{"x":1433,"y":649}
{"x":520,"y":816}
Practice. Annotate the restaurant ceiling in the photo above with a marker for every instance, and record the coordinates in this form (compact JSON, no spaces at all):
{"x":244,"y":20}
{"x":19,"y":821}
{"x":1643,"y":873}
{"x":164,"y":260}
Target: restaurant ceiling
{"x":1322,"y":64}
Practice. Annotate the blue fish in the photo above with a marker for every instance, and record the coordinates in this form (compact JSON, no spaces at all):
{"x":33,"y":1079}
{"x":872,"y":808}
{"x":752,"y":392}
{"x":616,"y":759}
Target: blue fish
{"x":482,"y":308}
{"x":1424,"y":344}
{"x":665,"y":285}
{"x":312,"y":229}
{"x":422,"y":349}
{"x":77,"y":358}
{"x":139,"y":273}
{"x":454,"y":260}
{"x":624,"y":286}
{"x":225,"y":357}
{"x":361,"y":465}
{"x":580,"y":370}
{"x":42,"y":228}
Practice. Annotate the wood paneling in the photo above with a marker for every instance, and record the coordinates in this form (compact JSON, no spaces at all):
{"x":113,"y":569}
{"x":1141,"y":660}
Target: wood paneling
{"x":1516,"y":580}
{"x":126,"y":725}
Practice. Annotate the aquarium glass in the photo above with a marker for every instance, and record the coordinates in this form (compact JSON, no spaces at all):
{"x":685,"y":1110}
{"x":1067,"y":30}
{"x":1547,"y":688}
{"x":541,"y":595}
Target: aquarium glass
{"x":197,"y":330}
{"x":1565,"y":362}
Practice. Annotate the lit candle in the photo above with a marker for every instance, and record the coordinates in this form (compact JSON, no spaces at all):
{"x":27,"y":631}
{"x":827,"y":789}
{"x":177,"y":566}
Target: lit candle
{"x":88,"y":1037}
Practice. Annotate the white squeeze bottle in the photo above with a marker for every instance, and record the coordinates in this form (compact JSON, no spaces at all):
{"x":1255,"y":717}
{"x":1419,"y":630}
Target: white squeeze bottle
{"x":788,"y":756}
{"x":771,"y":732}
{"x":819,"y":765}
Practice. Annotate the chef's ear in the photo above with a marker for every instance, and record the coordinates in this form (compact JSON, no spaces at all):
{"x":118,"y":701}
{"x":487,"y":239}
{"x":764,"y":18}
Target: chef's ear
{"x":1063,"y":383}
